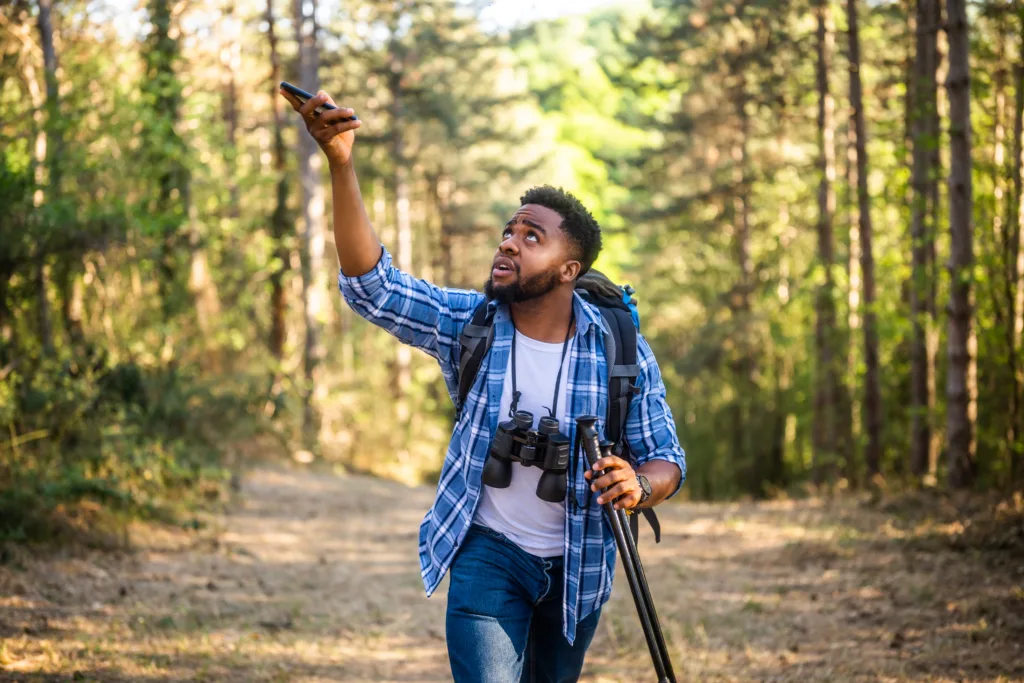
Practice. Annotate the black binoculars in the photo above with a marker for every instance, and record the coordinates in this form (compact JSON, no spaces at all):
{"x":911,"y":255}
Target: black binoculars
{"x":545,"y":447}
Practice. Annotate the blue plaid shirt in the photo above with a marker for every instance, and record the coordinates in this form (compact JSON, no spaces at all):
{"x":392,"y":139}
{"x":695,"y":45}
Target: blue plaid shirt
{"x":431,"y":318}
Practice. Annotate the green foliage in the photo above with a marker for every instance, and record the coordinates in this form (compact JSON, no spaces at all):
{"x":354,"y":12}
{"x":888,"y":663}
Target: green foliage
{"x":140,"y":442}
{"x":153,"y":255}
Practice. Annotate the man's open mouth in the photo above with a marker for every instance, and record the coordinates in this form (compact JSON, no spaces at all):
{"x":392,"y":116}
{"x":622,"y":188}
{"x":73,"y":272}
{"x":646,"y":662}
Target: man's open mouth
{"x":503,"y":268}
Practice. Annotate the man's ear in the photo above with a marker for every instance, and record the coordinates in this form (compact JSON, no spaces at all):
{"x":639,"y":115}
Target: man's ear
{"x":570,"y":270}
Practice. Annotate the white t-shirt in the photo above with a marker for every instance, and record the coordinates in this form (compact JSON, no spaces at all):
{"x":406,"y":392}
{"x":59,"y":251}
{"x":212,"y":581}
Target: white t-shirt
{"x":532,"y":523}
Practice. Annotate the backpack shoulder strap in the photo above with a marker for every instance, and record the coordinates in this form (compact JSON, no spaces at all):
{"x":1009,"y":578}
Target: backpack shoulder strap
{"x":623,"y":371}
{"x":474,"y":341}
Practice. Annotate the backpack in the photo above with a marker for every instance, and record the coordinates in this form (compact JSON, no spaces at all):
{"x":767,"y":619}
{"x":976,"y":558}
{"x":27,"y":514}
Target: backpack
{"x":618,"y":308}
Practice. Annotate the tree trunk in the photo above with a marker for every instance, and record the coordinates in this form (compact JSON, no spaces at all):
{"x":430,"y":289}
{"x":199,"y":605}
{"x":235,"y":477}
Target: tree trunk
{"x":774,"y":470}
{"x":403,"y":224}
{"x":852,"y":412}
{"x":1015,"y":278}
{"x":961,"y":379}
{"x":827,"y":379}
{"x":43,"y":316}
{"x":442,"y":191}
{"x":999,"y":238}
{"x":923,"y":112}
{"x":447,"y":230}
{"x":744,"y":456}
{"x":872,"y":392}
{"x":231,"y":62}
{"x":53,"y":122}
{"x":44,"y":325}
{"x":201,"y":285}
{"x":279,"y":219}
{"x":69,"y":284}
{"x":313,"y":224}
{"x":935,"y":218}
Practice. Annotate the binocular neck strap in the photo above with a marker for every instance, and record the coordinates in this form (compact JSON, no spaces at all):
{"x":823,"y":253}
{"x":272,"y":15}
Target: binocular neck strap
{"x":558,"y":379}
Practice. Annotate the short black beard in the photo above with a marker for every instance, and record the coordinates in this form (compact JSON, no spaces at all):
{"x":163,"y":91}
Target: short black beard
{"x":519,"y":291}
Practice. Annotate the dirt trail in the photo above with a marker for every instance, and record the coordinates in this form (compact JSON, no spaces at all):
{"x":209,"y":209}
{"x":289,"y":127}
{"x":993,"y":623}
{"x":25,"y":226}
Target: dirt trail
{"x":306,"y":581}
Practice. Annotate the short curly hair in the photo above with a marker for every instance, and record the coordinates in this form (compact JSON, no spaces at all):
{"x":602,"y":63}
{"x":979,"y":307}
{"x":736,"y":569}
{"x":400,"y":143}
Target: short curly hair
{"x":578,"y":224}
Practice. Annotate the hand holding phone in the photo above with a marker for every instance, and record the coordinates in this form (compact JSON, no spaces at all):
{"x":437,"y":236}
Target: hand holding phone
{"x":332,"y":127}
{"x":302,"y":96}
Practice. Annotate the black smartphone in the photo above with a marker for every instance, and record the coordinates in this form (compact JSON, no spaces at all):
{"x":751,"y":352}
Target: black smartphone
{"x":304,"y":96}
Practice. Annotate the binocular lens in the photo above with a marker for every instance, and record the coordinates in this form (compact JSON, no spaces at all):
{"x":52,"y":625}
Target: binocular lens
{"x":497,"y":473}
{"x":523,"y":420}
{"x":551,"y":487}
{"x":548,"y":426}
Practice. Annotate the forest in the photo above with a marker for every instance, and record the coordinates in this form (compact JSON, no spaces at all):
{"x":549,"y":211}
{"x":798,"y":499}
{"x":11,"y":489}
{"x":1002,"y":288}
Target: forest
{"x":211,"y":469}
{"x":818,"y":204}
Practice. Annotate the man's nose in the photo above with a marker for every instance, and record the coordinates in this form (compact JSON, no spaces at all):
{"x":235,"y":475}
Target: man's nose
{"x":509,"y":246}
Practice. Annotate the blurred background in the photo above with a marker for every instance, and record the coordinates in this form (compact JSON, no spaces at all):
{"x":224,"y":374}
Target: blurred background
{"x":774,"y":179}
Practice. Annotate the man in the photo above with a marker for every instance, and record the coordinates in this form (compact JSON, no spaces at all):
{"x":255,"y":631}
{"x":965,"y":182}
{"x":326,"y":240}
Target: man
{"x":528,"y":577}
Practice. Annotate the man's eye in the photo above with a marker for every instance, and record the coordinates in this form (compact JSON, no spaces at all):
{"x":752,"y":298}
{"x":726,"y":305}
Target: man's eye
{"x":533,"y":236}
{"x":505,"y":235}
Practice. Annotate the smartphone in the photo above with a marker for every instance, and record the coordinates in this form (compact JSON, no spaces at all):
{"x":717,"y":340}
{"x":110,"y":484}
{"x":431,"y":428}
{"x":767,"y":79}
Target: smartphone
{"x":304,"y":96}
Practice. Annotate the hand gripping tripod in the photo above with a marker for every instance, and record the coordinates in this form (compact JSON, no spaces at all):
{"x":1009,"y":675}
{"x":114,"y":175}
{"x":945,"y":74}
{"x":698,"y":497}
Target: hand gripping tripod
{"x":587,"y":437}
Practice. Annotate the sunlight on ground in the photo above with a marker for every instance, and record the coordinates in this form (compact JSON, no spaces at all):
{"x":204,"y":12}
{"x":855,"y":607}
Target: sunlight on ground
{"x":305,"y":582}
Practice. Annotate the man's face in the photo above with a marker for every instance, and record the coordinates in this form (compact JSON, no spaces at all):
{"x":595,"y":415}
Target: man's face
{"x":533,"y":258}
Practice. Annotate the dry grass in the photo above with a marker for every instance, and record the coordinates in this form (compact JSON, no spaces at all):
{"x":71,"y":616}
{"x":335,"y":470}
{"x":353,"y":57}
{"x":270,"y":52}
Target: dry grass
{"x":314,"y":577}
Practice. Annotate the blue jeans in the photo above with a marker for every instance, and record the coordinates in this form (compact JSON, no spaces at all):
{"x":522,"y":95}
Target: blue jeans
{"x":504,"y":621}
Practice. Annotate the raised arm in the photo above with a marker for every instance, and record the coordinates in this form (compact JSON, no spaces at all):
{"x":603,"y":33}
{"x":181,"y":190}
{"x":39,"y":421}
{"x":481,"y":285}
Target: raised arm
{"x":415,"y":311}
{"x":358,"y":247}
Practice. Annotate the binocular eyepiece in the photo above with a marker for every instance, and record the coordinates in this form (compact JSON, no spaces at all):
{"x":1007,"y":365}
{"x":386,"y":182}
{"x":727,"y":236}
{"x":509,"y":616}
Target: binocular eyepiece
{"x":545,"y":447}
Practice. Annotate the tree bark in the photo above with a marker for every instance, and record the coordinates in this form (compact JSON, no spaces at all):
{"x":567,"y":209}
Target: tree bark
{"x":69,"y":284}
{"x":744,"y":456}
{"x":53,"y":122}
{"x":1015,"y":277}
{"x":441,"y":186}
{"x":43,"y":315}
{"x":403,"y":223}
{"x":279,"y":219}
{"x":312,"y":250}
{"x":1000,"y":237}
{"x":44,"y":325}
{"x":932,"y":337}
{"x":872,"y":391}
{"x":231,"y":62}
{"x":827,"y":379}
{"x":923,"y":112}
{"x":166,"y":151}
{"x":201,"y":285}
{"x":851,"y":413}
{"x":961,"y":379}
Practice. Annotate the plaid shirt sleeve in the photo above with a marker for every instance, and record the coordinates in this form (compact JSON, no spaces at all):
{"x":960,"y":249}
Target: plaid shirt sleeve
{"x":650,"y":428}
{"x":416,"y":312}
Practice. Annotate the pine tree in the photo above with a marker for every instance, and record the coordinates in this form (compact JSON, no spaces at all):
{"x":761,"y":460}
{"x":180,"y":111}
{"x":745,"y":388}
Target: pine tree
{"x":961,"y":388}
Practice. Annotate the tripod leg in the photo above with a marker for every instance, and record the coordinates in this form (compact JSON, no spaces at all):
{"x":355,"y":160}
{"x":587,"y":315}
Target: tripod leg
{"x":587,"y":435}
{"x":645,"y":593}
{"x":621,"y":531}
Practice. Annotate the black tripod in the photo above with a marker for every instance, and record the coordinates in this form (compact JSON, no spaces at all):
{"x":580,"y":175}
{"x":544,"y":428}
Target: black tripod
{"x":587,"y":436}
